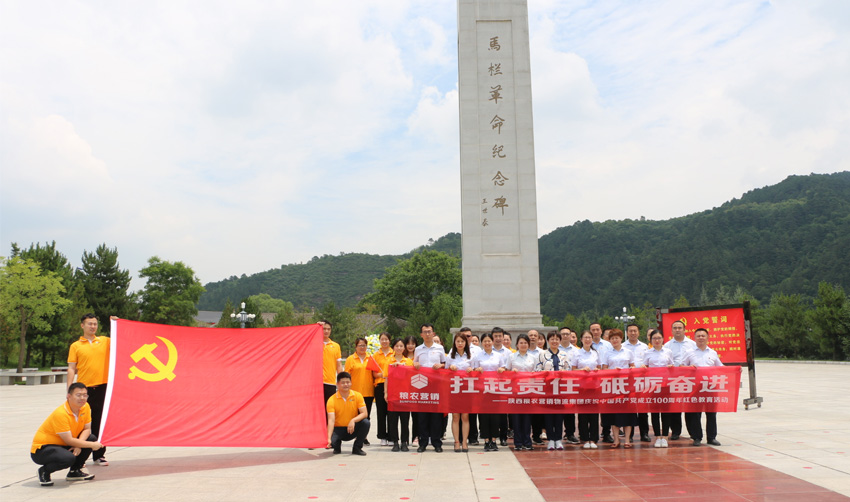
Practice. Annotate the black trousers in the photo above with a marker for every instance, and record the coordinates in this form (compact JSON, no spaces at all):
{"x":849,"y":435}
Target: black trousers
{"x":489,"y":425}
{"x":643,"y":424}
{"x":394,"y":418}
{"x":97,"y":396}
{"x":569,"y":425}
{"x":675,"y":424}
{"x":537,"y":426}
{"x":522,"y":430}
{"x":381,"y":404}
{"x":554,"y":426}
{"x":694,"y":423}
{"x":607,"y":420}
{"x":503,"y":427}
{"x":361,"y":430}
{"x":473,"y":427}
{"x":430,"y":427}
{"x":588,"y":427}
{"x":656,"y":424}
{"x":666,"y":419}
{"x":55,"y":458}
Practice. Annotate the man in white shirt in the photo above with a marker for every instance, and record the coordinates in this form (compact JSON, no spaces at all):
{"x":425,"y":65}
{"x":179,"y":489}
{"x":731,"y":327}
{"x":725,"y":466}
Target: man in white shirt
{"x":638,"y":348}
{"x":569,"y":418}
{"x":429,"y":355}
{"x":679,"y":345}
{"x":702,"y":356}
{"x":602,"y":347}
{"x":499,"y":347}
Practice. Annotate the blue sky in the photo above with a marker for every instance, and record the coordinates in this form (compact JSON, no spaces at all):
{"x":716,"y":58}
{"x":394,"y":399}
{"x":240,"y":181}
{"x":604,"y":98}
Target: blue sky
{"x":240,"y":137}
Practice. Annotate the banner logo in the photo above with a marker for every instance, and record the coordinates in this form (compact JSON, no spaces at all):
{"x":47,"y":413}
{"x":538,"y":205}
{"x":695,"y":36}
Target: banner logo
{"x":419,"y":381}
{"x":163,"y":370}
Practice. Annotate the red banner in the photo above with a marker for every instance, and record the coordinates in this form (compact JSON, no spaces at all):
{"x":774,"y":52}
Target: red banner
{"x":637,"y":390}
{"x":726,"y":330}
{"x":178,"y":386}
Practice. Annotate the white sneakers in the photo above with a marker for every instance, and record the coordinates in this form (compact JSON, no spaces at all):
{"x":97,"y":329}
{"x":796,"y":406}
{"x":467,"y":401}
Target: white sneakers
{"x":658,"y":442}
{"x":384,"y":442}
{"x":550,"y":446}
{"x":559,"y":445}
{"x":663,"y":443}
{"x":593,"y":446}
{"x":586,"y":445}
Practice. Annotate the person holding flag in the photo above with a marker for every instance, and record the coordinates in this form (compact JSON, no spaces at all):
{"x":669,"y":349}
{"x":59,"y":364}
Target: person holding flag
{"x":65,"y":438}
{"x":363,"y":369}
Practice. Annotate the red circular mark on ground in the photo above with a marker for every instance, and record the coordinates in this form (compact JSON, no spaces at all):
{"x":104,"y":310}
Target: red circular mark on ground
{"x":495,"y":498}
{"x":490,"y":479}
{"x":485,"y":464}
{"x":650,"y":474}
{"x":342,"y":465}
{"x":769,"y":455}
{"x":571,"y":477}
{"x":737,"y":445}
{"x":411,"y":465}
{"x":768,"y":434}
{"x":557,"y":463}
{"x":408,"y":480}
{"x":404,"y":498}
{"x":628,"y":461}
{"x":681,"y":492}
{"x":806,"y":467}
{"x":839,"y":452}
{"x":329,"y":479}
{"x":588,"y":495}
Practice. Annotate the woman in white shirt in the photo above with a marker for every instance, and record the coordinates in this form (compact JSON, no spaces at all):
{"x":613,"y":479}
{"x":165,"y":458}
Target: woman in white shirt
{"x":554,"y":359}
{"x":459,"y":360}
{"x":488,"y":360}
{"x":522,"y":360}
{"x":620,"y":358}
{"x":587,"y":359}
{"x":659,"y":357}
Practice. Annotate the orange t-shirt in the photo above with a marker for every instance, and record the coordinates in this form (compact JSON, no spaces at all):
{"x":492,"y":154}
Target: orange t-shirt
{"x":92,"y":359}
{"x":330,"y":354}
{"x":384,"y":362}
{"x":345,"y":409}
{"x":361,"y":376}
{"x":61,"y":420}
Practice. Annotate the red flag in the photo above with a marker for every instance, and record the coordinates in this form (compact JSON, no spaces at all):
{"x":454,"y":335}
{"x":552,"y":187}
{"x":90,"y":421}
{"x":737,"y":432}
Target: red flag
{"x":179,"y":386}
{"x":373,"y":365}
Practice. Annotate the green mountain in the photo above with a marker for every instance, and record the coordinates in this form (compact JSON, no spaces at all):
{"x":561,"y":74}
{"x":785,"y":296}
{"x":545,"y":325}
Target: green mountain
{"x":783,"y":238}
{"x":343,"y":279}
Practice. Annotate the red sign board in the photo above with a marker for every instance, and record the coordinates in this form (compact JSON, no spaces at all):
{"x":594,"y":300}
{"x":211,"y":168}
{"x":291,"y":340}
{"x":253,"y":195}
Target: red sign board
{"x":636,"y":390}
{"x":726,"y":330}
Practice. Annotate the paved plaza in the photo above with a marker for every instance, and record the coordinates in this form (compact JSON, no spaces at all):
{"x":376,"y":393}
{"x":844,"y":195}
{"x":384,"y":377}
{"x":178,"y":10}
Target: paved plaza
{"x":802,"y":430}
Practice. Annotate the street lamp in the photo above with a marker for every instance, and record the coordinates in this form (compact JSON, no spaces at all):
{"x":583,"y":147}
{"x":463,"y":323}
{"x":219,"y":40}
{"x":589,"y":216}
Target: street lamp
{"x":243,"y":316}
{"x":625,"y":319}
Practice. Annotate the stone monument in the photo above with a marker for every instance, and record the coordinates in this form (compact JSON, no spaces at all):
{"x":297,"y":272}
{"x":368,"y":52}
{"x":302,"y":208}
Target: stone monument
{"x":501,"y":278}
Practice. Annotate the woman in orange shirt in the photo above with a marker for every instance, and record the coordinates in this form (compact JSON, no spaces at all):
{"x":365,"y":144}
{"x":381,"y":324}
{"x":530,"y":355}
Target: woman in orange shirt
{"x":362,"y":378}
{"x":398,"y":358}
{"x":382,"y":357}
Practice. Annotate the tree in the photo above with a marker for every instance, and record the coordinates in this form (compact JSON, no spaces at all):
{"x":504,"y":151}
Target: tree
{"x":28,"y":298}
{"x":107,"y":286}
{"x":423,"y":288}
{"x":346,"y":327}
{"x":170,"y":294}
{"x":831,"y":317}
{"x":53,"y":343}
{"x":786,"y":329}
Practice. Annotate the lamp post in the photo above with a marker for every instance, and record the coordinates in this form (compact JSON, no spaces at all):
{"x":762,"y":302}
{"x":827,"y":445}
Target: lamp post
{"x":243,"y":316}
{"x":625,"y":319}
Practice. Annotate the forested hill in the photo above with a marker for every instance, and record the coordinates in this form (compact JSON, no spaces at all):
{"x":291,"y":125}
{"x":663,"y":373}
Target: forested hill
{"x":783,"y":238}
{"x":343,"y":279}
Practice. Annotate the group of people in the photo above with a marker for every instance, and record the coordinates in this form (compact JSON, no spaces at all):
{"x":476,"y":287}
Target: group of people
{"x":562,"y":350}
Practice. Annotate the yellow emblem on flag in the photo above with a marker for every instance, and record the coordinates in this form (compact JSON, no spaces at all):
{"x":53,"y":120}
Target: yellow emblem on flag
{"x":164,"y":370}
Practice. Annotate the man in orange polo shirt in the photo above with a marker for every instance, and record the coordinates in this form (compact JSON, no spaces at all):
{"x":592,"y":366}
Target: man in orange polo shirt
{"x":59,"y":444}
{"x":88,"y":359}
{"x":347,"y":417}
{"x":331,"y":366}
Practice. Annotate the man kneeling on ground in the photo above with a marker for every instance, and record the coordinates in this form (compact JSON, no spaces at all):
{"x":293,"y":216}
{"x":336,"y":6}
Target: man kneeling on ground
{"x":347,"y":417}
{"x":59,"y":442}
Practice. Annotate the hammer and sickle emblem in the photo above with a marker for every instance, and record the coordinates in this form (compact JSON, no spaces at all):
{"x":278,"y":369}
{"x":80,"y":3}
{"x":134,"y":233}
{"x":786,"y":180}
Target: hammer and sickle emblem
{"x":163,"y":370}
